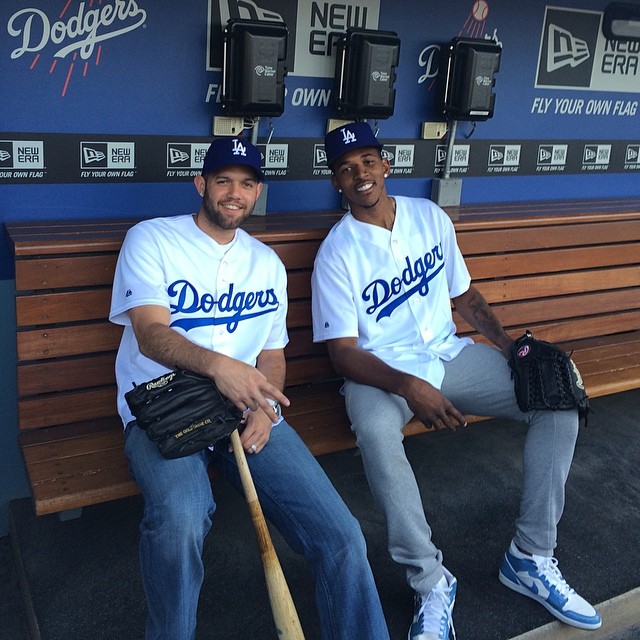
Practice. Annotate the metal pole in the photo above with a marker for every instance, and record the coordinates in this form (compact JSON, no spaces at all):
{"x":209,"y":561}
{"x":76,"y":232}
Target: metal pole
{"x":450,"y":143}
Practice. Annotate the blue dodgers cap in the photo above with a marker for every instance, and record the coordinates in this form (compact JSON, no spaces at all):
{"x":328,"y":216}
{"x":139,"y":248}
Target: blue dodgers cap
{"x":229,"y":151}
{"x":354,"y":135}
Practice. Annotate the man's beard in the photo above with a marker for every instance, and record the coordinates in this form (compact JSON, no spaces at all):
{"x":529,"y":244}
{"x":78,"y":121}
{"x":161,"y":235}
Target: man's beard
{"x":217,"y":218}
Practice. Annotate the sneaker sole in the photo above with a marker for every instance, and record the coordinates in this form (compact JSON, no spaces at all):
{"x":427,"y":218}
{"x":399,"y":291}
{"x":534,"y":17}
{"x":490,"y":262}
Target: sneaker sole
{"x":507,"y":582}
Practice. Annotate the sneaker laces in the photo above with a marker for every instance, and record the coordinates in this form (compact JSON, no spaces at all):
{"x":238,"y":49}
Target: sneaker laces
{"x":435,"y":611}
{"x":549,"y":568}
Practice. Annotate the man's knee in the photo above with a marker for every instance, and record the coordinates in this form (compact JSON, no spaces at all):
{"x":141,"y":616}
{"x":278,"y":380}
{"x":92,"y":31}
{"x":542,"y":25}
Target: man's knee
{"x":179,"y":521}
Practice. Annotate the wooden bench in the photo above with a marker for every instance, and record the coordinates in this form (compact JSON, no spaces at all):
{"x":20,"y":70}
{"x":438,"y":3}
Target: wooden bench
{"x":569,"y":271}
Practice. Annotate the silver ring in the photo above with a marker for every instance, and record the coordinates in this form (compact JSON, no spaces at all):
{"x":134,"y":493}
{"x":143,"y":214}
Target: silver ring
{"x":254,"y":448}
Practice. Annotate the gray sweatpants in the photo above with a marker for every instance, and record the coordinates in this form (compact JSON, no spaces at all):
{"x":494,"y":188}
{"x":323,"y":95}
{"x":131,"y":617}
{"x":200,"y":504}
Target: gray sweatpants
{"x":477,"y":382}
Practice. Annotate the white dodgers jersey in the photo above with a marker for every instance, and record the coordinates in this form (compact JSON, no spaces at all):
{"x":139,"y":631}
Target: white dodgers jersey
{"x":229,"y":298}
{"x":392,"y":290}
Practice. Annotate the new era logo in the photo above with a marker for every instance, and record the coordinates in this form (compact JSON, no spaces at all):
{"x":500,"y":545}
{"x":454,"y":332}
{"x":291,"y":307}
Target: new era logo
{"x":632,"y":155}
{"x":568,"y":48}
{"x":565,"y":49}
{"x":552,"y":154}
{"x":176,"y":155}
{"x":91,"y":155}
{"x":107,"y":155}
{"x":596,"y":154}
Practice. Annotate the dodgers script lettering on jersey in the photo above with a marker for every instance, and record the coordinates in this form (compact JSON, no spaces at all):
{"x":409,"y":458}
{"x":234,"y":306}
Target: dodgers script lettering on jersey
{"x":387,"y":295}
{"x":233,"y":306}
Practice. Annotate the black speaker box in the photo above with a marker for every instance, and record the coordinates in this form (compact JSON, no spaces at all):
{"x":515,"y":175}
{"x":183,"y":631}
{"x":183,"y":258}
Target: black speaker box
{"x":366,"y":63}
{"x":468,"y":79}
{"x":253,"y":68}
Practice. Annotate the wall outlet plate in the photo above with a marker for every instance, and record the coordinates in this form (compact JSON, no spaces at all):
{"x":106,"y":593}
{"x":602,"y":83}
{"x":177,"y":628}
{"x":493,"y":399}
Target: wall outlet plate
{"x":227,"y":125}
{"x":334,"y":123}
{"x":433,"y":130}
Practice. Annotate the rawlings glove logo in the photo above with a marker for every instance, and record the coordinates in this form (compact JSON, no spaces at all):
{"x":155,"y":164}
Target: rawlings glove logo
{"x":163,"y":381}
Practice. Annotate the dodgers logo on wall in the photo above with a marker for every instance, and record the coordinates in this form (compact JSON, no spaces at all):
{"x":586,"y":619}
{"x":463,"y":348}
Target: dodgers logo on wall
{"x":67,"y":39}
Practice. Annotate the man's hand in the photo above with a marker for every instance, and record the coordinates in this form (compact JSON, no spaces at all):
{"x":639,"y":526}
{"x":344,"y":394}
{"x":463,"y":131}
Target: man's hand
{"x":426,"y":402}
{"x":430,"y":406}
{"x":256,"y":432}
{"x":246,"y":386}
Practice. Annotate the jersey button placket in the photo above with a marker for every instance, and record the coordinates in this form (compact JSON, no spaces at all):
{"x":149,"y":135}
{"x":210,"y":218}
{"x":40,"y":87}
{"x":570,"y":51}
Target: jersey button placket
{"x":222,"y":285}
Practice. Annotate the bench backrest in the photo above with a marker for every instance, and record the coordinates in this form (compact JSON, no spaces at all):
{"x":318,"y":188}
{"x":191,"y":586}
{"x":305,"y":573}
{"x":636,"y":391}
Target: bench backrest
{"x":565,"y":275}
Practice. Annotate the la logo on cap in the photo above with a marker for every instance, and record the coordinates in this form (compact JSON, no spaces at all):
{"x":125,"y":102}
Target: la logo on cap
{"x":348,"y":136}
{"x":238,"y":148}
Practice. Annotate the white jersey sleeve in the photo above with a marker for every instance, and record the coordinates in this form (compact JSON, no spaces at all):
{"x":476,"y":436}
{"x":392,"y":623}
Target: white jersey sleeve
{"x":334,"y":310}
{"x":139,"y":278}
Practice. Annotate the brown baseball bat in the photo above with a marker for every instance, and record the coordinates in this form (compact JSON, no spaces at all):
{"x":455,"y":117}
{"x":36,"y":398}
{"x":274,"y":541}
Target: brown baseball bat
{"x":282,"y":606}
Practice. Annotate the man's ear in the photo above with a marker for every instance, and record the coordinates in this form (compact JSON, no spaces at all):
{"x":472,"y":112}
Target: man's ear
{"x":334,"y":182}
{"x":200,"y":183}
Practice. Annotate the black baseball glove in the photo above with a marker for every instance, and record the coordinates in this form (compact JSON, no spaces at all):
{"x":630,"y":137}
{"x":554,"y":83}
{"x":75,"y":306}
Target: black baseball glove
{"x":545,"y":377}
{"x":182,"y":412}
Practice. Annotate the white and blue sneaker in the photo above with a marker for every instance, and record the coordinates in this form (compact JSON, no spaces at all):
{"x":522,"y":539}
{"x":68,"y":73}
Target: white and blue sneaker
{"x":433,"y":612}
{"x":539,"y":578}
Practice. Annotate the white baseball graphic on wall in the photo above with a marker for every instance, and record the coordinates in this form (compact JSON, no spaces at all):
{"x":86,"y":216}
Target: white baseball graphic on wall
{"x":480,"y":10}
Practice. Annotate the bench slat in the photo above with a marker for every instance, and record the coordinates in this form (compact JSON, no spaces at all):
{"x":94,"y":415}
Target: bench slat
{"x":71,"y":440}
{"x":520,"y":314}
{"x":304,"y":370}
{"x":61,"y":375}
{"x":65,"y":272}
{"x":299,"y":314}
{"x":61,"y":408}
{"x":529,"y":262}
{"x":298,"y":255}
{"x":609,"y":382}
{"x":301,"y":344}
{"x":578,"y":328}
{"x":74,"y":492}
{"x":613,"y":364}
{"x":71,"y":306}
{"x":58,"y":342}
{"x":602,"y":346}
{"x":299,"y":285}
{"x":101,"y":459}
{"x":522,"y":239}
{"x":550,"y":285}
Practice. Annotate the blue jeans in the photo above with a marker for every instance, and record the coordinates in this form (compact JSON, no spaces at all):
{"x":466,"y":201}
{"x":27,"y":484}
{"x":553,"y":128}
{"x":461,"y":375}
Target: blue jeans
{"x":295,"y":495}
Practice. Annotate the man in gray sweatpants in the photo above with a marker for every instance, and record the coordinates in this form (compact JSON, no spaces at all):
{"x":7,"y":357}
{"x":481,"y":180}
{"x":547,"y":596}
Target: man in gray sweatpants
{"x":383,"y":283}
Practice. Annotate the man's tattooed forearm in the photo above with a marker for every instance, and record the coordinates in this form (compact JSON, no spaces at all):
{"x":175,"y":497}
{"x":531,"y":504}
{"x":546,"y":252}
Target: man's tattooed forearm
{"x":485,"y":320}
